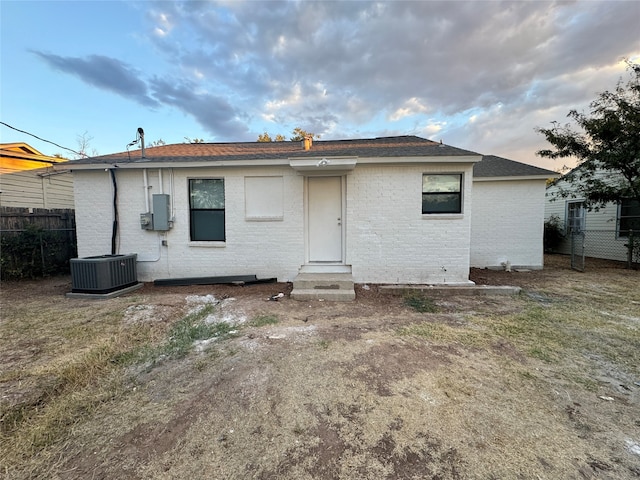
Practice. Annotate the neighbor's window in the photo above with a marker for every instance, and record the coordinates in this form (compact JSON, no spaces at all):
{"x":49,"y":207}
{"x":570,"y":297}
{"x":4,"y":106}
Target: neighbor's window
{"x":442,"y":193}
{"x":628,"y":217}
{"x":575,"y":216}
{"x":206,"y":206}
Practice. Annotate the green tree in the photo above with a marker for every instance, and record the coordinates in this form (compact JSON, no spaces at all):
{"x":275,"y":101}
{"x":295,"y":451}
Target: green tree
{"x":264,"y":138}
{"x":298,"y":135}
{"x":607,"y":145}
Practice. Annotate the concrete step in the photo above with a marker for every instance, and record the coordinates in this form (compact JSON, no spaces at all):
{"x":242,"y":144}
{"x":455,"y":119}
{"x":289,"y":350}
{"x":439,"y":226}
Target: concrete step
{"x":325,"y":268}
{"x":324,"y":281}
{"x":319,"y":294}
{"x":336,"y":287}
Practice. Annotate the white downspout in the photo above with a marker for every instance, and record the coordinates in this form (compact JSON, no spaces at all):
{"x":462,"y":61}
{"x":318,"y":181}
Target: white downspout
{"x":172,"y":193}
{"x":145,"y":181}
{"x":160,"y":180}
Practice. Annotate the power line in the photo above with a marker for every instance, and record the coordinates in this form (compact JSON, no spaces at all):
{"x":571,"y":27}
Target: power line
{"x":42,"y":139}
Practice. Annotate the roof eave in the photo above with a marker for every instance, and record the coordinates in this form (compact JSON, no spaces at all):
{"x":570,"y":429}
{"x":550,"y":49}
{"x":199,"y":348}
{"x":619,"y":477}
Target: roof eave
{"x":513,"y":178}
{"x":30,"y":157}
{"x":422,"y":159}
{"x":20,"y":147}
{"x":141,"y":164}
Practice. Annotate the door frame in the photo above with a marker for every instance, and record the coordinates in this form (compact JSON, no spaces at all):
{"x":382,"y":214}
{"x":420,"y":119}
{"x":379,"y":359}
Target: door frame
{"x":343,"y":236}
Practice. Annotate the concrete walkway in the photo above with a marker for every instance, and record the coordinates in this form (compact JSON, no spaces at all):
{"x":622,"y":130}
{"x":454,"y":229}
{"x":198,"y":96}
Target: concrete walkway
{"x":451,"y":289}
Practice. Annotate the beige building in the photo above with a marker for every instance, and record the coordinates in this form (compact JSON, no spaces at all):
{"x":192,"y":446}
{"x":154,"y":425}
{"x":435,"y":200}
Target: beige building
{"x":30,"y":179}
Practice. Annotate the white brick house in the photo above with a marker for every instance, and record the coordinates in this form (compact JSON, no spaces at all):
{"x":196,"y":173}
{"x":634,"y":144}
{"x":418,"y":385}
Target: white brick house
{"x":385,"y":210}
{"x":507,"y":223}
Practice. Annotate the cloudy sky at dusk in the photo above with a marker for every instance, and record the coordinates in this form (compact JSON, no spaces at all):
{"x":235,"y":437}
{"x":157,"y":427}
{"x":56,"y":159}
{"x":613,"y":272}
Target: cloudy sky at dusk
{"x":479,"y":75}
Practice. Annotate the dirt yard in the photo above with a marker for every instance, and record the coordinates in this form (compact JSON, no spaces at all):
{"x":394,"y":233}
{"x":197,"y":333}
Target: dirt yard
{"x":219,"y":382}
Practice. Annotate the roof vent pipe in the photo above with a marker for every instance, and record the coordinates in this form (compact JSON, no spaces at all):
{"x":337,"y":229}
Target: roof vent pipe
{"x":308,"y":141}
{"x":141,"y":135}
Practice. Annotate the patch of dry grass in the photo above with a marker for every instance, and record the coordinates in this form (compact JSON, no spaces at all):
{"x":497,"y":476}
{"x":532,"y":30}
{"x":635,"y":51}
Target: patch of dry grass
{"x":67,"y":358}
{"x":603,"y":320}
{"x":502,"y":387}
{"x":81,"y":353}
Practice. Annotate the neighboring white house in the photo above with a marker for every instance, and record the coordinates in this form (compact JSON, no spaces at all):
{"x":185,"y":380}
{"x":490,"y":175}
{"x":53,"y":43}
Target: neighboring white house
{"x":386,"y":210}
{"x":605,"y":230}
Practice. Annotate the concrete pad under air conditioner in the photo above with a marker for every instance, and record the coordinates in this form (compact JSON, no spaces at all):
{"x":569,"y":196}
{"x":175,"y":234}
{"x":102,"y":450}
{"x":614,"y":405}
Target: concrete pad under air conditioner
{"x":105,"y":296}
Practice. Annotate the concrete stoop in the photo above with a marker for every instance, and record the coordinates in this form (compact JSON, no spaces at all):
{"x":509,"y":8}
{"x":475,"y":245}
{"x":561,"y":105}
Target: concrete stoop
{"x":335,"y":287}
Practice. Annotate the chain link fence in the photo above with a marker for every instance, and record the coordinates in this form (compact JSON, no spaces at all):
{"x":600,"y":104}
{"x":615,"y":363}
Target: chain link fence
{"x":604,"y":244}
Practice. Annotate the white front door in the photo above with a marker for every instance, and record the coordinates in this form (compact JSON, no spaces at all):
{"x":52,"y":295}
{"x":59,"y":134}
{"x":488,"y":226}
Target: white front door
{"x":325,"y":219}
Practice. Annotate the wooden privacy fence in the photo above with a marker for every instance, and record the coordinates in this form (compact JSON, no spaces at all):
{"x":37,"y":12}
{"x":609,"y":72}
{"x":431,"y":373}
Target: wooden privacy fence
{"x":36,"y":242}
{"x":18,"y":218}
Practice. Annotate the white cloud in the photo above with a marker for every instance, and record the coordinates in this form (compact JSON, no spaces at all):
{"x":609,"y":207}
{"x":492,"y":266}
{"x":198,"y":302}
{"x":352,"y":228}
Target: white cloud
{"x":483,"y":75}
{"x":163,"y":23}
{"x":434,"y":127}
{"x":293,"y":98}
{"x":412,"y":106}
{"x":280,"y":47}
{"x":269,"y":117}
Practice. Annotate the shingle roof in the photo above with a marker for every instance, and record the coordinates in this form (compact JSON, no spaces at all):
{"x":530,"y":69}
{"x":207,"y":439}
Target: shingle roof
{"x":404,"y":146}
{"x":382,"y":147}
{"x":23,"y":151}
{"x":493,"y":166}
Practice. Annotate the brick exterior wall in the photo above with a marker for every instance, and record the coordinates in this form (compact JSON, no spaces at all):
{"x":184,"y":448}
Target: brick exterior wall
{"x":92,"y":192}
{"x":266,"y":249}
{"x":388,"y":240}
{"x":507,"y":223}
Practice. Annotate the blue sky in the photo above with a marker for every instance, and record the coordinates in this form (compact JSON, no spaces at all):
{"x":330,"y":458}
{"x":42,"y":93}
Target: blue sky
{"x":478,"y":75}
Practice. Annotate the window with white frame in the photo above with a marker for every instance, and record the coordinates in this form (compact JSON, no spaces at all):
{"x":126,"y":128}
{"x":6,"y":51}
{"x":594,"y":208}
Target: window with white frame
{"x":628,"y":217}
{"x":206,"y":209}
{"x":575,"y":216}
{"x":441,"y":193}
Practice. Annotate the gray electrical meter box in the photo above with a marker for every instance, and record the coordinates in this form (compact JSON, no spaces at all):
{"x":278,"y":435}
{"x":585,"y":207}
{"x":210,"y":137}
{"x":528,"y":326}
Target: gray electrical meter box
{"x":146,"y":221}
{"x":161,"y":211}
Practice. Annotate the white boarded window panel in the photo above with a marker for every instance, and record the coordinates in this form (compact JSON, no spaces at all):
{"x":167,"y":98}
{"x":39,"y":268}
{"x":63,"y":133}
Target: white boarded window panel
{"x":264,"y":198}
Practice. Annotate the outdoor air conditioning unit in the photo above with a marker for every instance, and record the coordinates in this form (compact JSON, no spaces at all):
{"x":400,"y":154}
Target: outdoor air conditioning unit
{"x":103,"y":273}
